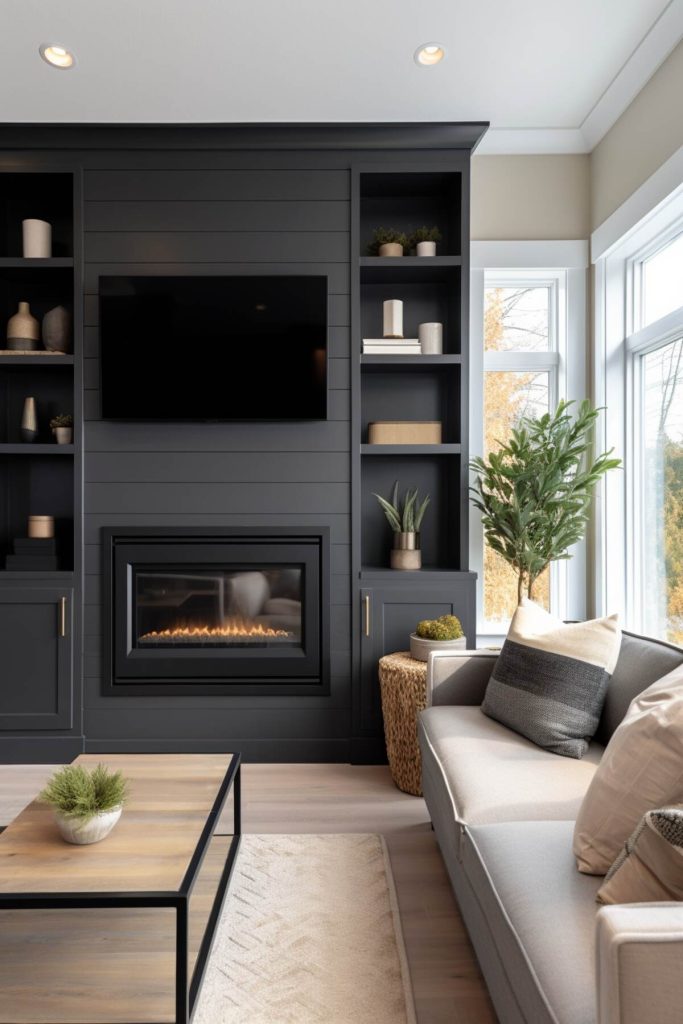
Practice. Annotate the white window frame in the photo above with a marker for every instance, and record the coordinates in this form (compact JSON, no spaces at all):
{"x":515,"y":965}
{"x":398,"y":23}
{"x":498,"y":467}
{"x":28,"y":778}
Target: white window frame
{"x":563,"y":266}
{"x":620,"y":343}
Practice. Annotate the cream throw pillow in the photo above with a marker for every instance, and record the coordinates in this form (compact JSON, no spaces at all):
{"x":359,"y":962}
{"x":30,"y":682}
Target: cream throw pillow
{"x":650,"y":867}
{"x":641,"y":769}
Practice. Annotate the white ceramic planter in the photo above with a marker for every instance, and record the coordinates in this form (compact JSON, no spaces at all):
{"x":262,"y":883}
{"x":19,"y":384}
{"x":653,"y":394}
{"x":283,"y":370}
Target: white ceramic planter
{"x":426,"y":248}
{"x":420,"y":648}
{"x":37,"y":239}
{"x":83,"y":832}
{"x":64,"y":435}
{"x":391,"y":249}
{"x":430,"y":336}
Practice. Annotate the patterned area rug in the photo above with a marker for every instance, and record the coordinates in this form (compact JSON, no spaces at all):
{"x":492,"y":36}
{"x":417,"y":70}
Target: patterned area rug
{"x":310,"y":934}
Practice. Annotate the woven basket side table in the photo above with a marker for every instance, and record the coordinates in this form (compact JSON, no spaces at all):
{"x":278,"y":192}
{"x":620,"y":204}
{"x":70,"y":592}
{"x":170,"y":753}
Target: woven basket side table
{"x":403,"y":684}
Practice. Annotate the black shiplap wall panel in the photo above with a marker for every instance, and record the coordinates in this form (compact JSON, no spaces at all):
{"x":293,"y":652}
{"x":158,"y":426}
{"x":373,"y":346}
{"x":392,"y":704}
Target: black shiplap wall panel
{"x":192,"y":216}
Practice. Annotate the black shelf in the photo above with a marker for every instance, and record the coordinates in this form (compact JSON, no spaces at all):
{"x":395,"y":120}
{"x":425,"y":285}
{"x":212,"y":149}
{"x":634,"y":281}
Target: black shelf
{"x":373,"y":362}
{"x":427,"y":574}
{"x":22,"y":263}
{"x":411,"y":262}
{"x":26,"y":359}
{"x":393,"y":270}
{"x":36,"y":449}
{"x":410,"y":449}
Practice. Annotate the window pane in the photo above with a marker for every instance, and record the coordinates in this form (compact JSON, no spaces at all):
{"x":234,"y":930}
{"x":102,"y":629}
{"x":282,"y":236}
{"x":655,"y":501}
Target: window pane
{"x":509,"y":395}
{"x":663,"y":282}
{"x":662,"y":490}
{"x":517,"y":319}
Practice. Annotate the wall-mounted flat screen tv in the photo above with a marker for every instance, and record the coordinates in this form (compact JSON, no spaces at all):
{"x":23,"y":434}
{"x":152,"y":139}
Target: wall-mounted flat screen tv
{"x":213,"y":348}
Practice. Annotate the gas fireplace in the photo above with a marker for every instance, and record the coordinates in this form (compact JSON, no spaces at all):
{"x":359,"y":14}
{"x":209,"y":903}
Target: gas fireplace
{"x":236,"y":611}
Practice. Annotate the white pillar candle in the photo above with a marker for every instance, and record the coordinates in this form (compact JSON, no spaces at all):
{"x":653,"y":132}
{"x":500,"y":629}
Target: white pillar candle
{"x":393,"y":318}
{"x":37,"y":239}
{"x":430,"y":337}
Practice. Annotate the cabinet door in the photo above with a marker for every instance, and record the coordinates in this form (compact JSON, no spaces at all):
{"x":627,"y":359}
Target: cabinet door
{"x":35,"y":658}
{"x":389,"y":615}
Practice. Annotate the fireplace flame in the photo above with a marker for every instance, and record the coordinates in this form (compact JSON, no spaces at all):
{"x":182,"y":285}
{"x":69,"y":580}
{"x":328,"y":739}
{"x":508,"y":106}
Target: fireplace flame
{"x":236,"y":628}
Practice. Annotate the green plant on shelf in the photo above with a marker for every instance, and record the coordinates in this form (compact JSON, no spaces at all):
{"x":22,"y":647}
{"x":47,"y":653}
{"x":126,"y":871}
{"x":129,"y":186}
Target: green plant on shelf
{"x":64,"y":419}
{"x":424,"y":234}
{"x":446,"y":627}
{"x":386,"y":236}
{"x":77,"y":793}
{"x":404,"y":516}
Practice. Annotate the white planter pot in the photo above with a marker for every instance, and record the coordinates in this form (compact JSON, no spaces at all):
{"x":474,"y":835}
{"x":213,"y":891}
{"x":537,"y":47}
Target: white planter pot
{"x":37,"y":239}
{"x":426,"y":248}
{"x":420,"y":648}
{"x":64,"y":435}
{"x":391,"y":249}
{"x":430,"y":336}
{"x":83,"y":832}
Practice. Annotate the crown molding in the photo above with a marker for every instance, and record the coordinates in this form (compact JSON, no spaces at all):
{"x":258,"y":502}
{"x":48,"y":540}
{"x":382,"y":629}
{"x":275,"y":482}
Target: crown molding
{"x":519,"y":141}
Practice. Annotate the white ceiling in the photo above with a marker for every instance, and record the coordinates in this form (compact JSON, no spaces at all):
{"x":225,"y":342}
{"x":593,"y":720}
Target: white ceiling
{"x":551,"y":76}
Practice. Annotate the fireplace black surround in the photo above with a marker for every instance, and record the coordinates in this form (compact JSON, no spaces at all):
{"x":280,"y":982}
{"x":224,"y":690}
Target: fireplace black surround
{"x":239,"y":611}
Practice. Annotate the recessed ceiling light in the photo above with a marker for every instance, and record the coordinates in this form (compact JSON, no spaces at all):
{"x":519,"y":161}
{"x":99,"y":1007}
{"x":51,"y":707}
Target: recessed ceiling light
{"x":57,"y":56}
{"x":429,"y":54}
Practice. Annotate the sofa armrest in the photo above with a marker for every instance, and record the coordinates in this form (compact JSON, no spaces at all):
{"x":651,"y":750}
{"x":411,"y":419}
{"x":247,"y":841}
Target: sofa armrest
{"x":639,"y":956}
{"x":458,"y":677}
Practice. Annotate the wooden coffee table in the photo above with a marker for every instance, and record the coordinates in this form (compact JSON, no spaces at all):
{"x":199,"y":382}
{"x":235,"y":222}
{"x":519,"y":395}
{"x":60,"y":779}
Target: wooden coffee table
{"x":120,"y":930}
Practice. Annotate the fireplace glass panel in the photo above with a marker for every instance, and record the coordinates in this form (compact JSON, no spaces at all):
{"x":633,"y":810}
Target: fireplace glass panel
{"x":217,"y":607}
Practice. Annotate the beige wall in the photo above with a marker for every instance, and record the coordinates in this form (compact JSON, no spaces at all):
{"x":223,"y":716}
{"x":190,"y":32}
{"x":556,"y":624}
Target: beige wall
{"x":530,"y":197}
{"x":648,"y":132}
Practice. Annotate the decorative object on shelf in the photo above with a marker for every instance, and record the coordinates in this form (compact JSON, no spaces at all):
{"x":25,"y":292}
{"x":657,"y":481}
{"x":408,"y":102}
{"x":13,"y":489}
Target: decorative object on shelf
{"x":548,"y":469}
{"x":391,"y":347}
{"x":32,"y":554}
{"x":37,"y":239}
{"x":62,"y":427}
{"x":87,"y":805}
{"x":424,"y":240}
{"x":405,"y":432}
{"x":387,"y":242}
{"x":431,"y":339}
{"x":41,"y":527}
{"x":23,"y":330}
{"x":392,"y":318}
{"x":57,"y":330}
{"x":405,"y":518}
{"x":403,"y":686}
{"x":29,"y":421}
{"x":442,"y":634}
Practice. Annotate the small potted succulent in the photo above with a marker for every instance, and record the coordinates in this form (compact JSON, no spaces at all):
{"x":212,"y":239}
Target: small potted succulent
{"x":387,"y":242}
{"x":424,"y":240}
{"x":62,"y":427}
{"x":405,"y":518}
{"x":442,"y":634}
{"x":87,"y":805}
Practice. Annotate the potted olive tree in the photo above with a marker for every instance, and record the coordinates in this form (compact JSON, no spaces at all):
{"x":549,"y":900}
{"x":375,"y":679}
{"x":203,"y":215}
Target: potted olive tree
{"x":534,"y":493}
{"x":405,"y":518}
{"x":87,"y":805}
{"x":387,"y":242}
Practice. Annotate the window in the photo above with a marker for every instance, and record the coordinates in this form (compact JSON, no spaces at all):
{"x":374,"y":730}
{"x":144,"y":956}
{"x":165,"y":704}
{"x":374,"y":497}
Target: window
{"x":661,"y":281}
{"x":522,"y":370}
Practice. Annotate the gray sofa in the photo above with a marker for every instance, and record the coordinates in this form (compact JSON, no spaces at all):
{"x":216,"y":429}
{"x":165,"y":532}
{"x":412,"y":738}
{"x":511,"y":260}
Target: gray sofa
{"x":503,"y":811}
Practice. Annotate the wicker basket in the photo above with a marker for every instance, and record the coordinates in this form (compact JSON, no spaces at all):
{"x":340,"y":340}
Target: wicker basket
{"x":403,"y":683}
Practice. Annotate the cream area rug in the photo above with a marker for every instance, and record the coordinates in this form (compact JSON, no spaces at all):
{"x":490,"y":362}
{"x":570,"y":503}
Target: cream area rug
{"x":309,"y":934}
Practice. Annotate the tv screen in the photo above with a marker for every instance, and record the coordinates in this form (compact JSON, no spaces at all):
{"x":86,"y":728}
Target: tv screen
{"x":213,"y":348}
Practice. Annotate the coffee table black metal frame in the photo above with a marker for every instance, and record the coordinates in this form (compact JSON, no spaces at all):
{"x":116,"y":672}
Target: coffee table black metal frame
{"x":186,"y":987}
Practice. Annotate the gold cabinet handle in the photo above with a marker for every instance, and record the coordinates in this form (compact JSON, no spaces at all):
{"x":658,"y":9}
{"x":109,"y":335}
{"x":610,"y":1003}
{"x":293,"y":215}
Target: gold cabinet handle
{"x":62,"y":616}
{"x":366,"y":614}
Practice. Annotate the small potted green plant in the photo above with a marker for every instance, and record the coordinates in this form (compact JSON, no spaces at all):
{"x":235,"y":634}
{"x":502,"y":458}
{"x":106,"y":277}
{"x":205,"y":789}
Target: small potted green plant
{"x":405,"y":518}
{"x":442,"y":634}
{"x":424,"y":240}
{"x":62,"y":427}
{"x":87,"y":804}
{"x":387,"y":242}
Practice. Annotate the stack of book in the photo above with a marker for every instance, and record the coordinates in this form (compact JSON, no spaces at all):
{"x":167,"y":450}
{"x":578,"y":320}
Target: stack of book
{"x":391,"y":347}
{"x":33,"y":554}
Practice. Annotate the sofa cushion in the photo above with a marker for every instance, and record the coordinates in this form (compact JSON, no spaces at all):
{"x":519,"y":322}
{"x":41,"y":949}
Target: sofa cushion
{"x":550,"y":681}
{"x":542,"y":913}
{"x":493,"y":774}
{"x":650,"y":867}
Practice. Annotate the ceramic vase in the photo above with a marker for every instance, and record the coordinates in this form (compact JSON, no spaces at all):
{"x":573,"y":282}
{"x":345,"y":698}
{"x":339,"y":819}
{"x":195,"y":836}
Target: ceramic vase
{"x":392,"y":318}
{"x":37,"y":239}
{"x":426,"y":248}
{"x":57,"y":330}
{"x":84,"y":831}
{"x":64,"y":435}
{"x":431,"y":339}
{"x":391,"y":249}
{"x":41,"y":526}
{"x":23,"y":330}
{"x":29,"y":421}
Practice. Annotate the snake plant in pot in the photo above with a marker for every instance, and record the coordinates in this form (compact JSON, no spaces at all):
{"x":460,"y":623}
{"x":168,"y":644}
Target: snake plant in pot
{"x":405,"y":518}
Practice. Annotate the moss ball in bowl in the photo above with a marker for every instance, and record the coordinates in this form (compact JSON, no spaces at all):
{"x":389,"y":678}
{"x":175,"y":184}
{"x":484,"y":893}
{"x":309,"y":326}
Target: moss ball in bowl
{"x":442,"y":634}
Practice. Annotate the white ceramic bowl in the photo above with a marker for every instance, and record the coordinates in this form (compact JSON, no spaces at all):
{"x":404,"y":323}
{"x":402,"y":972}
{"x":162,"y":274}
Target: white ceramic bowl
{"x":421,"y":648}
{"x":82,"y":831}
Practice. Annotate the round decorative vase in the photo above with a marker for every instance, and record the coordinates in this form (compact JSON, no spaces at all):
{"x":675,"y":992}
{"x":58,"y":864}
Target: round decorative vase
{"x":64,"y":435}
{"x":84,"y":831}
{"x":406,"y":553}
{"x":23,"y":330}
{"x":430,"y":336}
{"x":420,"y":648}
{"x":426,"y":248}
{"x":57,"y":330}
{"x":37,"y":239}
{"x":29,"y":421}
{"x":391,"y":249}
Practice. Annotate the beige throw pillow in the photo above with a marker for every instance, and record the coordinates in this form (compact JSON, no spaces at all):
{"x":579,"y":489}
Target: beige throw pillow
{"x":650,"y":867}
{"x":641,"y":769}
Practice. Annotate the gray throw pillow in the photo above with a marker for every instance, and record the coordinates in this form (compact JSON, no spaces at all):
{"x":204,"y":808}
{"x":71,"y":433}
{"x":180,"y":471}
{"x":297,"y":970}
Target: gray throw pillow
{"x":551,"y":677}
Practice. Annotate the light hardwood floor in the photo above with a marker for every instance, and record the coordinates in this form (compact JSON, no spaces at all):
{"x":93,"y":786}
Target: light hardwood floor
{"x":446,"y":981}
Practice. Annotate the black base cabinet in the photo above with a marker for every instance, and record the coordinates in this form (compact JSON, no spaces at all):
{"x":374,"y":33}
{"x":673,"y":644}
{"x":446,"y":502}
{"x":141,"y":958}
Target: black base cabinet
{"x":389,"y":614}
